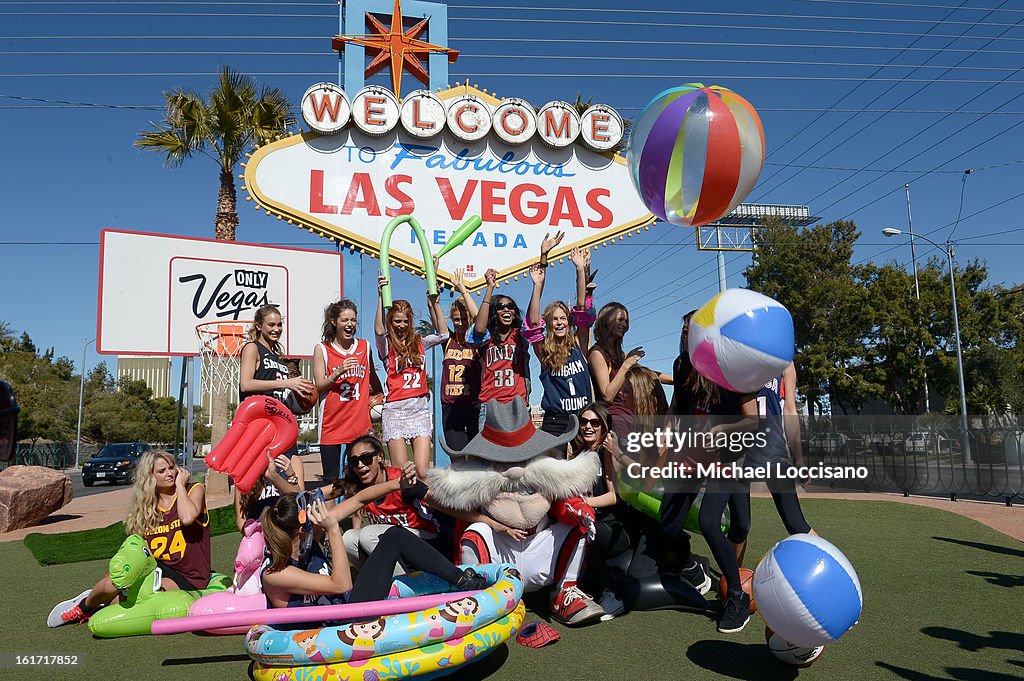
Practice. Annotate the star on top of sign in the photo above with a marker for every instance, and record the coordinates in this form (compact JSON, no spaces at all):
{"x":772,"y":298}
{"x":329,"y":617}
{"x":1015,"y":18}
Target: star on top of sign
{"x":398,"y":47}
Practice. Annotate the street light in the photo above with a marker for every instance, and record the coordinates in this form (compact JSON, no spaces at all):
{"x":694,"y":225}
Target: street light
{"x":947,"y":250}
{"x":81,"y":395}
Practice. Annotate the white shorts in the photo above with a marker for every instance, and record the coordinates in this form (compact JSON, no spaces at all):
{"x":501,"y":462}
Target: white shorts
{"x":541,"y":558}
{"x":406,"y":419}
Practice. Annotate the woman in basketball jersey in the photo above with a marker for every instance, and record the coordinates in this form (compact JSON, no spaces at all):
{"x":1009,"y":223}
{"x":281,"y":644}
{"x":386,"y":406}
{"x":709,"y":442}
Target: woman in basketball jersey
{"x":504,"y":363}
{"x":263,"y":373}
{"x":406,"y":412}
{"x":559,"y":336}
{"x":460,"y":373}
{"x":365,"y":468}
{"x":170,"y":513}
{"x":345,"y":377}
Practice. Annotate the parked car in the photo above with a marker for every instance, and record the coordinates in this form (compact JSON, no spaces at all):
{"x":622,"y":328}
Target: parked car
{"x":114,"y":463}
{"x":922,"y":441}
{"x":826,"y":443}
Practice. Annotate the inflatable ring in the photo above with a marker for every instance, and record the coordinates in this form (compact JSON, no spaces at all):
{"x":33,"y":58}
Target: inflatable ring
{"x":433,"y":660}
{"x":358,"y":641}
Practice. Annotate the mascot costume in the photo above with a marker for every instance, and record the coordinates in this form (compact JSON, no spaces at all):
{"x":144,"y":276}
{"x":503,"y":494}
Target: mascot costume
{"x":514,"y":474}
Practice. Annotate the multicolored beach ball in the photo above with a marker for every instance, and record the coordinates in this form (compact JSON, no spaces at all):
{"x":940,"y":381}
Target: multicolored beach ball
{"x":695,"y":152}
{"x":741,"y":339}
{"x":807,"y":591}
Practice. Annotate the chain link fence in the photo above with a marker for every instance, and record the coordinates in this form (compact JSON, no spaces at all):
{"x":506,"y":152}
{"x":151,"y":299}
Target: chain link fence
{"x":58,"y":455}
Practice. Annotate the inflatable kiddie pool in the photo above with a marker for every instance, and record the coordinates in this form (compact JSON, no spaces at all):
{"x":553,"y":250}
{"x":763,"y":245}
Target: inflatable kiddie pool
{"x":430,"y":641}
{"x":134,"y":571}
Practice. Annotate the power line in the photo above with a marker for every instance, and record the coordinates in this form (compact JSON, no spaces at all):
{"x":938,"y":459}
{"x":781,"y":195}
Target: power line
{"x":903,"y":143}
{"x":545,"y":57}
{"x":905,"y":4}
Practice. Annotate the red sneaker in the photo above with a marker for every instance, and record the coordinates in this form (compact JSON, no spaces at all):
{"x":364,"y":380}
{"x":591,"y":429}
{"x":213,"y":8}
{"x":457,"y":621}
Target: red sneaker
{"x":572,"y":607}
{"x":69,"y":611}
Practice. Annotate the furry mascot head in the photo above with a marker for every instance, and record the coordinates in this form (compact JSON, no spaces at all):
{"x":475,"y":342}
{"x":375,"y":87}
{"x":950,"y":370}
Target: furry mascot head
{"x":511,"y":470}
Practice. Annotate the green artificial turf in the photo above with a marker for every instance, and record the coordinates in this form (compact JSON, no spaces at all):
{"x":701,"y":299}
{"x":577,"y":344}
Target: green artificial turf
{"x":942,"y":598}
{"x":102,"y":543}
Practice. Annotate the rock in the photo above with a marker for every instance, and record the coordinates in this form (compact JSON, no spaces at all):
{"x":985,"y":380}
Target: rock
{"x":28,"y":494}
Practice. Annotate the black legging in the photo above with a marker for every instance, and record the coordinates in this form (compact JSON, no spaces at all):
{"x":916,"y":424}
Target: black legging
{"x":398,"y":545}
{"x":787,"y":503}
{"x":330,"y":460}
{"x":710,"y":516}
{"x":655,"y":542}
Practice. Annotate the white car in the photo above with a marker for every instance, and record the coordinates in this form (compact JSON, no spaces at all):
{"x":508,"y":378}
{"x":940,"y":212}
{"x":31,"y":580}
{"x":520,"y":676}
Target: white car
{"x":826,"y":443}
{"x":925,"y":442}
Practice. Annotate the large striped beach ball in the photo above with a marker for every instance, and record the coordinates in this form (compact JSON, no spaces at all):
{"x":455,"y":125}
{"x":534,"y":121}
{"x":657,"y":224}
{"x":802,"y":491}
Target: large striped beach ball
{"x":807,"y":591}
{"x":741,"y":339}
{"x":695,"y":152}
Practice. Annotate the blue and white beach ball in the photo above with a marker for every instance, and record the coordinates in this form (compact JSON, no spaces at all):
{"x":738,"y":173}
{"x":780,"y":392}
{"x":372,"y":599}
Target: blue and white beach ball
{"x":741,"y":339}
{"x":807,"y":591}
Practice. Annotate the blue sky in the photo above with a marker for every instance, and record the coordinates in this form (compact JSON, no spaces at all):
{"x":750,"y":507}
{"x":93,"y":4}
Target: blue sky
{"x":857,"y":98}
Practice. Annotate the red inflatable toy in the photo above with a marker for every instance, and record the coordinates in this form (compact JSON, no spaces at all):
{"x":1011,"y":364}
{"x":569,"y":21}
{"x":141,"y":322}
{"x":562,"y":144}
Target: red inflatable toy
{"x":261,"y":425}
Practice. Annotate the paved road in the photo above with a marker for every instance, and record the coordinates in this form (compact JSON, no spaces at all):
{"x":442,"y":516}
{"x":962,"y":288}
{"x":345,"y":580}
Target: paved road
{"x":79,"y":490}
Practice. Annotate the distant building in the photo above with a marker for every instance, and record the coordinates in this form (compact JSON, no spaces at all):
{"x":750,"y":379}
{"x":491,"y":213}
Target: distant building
{"x":154,"y":371}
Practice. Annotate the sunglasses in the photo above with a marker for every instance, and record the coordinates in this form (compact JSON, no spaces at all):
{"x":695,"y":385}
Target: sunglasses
{"x":505,"y":306}
{"x":365,"y":459}
{"x":596,"y":423}
{"x":305,"y":500}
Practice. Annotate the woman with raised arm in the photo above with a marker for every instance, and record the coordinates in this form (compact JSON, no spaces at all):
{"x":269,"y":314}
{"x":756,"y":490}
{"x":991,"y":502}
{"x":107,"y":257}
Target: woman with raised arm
{"x":460,"y":373}
{"x":406,"y":412}
{"x":345,"y":377}
{"x":559,"y":338}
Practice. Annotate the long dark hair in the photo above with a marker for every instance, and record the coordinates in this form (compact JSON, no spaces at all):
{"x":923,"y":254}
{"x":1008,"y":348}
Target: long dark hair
{"x":610,"y":347}
{"x":578,"y":445}
{"x":350,"y":483}
{"x":331,"y":313}
{"x":280,"y":524}
{"x":492,"y":317}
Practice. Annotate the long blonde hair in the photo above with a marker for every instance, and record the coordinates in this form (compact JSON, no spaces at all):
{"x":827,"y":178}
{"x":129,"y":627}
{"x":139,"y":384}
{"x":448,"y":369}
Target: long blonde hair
{"x":555,"y":351}
{"x":258,"y":319}
{"x":144,"y":514}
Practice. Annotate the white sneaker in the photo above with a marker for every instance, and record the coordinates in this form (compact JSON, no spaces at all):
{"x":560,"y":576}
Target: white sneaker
{"x":68,"y":612}
{"x":612,"y":605}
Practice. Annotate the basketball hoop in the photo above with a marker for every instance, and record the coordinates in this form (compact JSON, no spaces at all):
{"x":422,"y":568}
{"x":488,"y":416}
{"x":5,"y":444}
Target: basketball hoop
{"x":220,"y":345}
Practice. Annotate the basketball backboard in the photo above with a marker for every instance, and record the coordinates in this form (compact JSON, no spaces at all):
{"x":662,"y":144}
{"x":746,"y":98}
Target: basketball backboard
{"x":154,"y":289}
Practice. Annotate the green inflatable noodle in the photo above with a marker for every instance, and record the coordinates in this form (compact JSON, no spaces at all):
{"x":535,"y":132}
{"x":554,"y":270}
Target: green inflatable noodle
{"x":133,"y":570}
{"x":649,"y":503}
{"x":429,"y":270}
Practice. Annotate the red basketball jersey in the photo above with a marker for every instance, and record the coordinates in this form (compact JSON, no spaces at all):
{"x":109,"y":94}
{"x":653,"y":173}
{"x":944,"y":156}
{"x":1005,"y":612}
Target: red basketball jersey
{"x":345,"y":408}
{"x":393,"y":510}
{"x":504,"y":370}
{"x":405,"y":380}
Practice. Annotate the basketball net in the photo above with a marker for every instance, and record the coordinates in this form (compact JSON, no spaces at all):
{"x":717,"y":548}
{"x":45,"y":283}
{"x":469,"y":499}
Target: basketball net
{"x":220,"y":345}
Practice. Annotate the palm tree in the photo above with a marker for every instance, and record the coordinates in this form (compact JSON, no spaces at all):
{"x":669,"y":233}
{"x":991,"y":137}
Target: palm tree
{"x":238,"y":115}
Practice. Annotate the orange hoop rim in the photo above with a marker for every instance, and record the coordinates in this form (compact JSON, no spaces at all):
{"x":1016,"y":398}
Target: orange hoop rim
{"x":210,"y":333}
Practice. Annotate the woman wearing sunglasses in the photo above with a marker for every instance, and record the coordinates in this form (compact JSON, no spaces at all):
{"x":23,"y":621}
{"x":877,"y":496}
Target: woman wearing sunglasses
{"x":505,"y":366}
{"x":293,"y":577}
{"x":365,"y":469}
{"x":612,"y":538}
{"x":559,"y":337}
